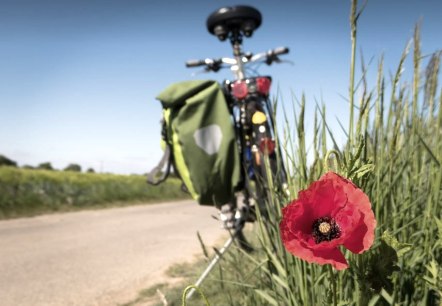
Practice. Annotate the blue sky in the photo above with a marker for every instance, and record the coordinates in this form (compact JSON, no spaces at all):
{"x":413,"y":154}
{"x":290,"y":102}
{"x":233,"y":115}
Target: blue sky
{"x":78,"y":78}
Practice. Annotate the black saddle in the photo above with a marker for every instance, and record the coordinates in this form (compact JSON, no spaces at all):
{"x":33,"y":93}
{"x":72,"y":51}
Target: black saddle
{"x":234,"y":20}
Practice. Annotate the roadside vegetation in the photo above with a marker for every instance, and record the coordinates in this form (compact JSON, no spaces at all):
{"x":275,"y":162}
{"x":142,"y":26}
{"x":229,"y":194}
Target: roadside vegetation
{"x":394,"y":154}
{"x":221,"y":286}
{"x":28,"y":192}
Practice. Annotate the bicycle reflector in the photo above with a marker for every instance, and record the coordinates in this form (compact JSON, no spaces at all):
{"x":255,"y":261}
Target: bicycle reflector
{"x":263,"y":85}
{"x":259,"y":118}
{"x":239,"y":89}
{"x":267,"y":146}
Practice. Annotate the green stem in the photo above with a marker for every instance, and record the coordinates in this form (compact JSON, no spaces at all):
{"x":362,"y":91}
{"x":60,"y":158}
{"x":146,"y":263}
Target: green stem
{"x":337,"y":161}
{"x":333,"y":279}
{"x":353,"y":24}
{"x":360,"y":283}
{"x":187,"y":290}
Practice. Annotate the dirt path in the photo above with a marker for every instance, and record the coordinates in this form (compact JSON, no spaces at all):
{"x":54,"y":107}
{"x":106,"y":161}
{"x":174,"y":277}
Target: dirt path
{"x":101,"y":257}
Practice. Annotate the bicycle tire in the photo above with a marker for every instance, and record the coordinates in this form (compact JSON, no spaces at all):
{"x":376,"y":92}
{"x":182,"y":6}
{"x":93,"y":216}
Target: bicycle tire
{"x":268,"y":168}
{"x":255,"y":188}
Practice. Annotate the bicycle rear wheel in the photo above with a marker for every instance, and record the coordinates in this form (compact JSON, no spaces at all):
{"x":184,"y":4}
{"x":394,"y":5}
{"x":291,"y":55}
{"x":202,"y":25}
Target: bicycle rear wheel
{"x":269,"y":171}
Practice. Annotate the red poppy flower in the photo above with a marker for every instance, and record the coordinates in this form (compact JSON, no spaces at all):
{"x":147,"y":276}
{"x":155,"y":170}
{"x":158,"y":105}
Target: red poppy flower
{"x":330,"y":213}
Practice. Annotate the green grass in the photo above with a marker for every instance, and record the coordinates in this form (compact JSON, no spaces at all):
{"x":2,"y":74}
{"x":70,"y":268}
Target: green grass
{"x":27,"y":192}
{"x":394,"y":154}
{"x":225,"y":285}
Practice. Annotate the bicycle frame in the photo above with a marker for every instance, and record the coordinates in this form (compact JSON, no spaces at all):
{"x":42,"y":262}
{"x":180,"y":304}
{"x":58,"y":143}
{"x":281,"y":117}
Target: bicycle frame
{"x":239,"y":68}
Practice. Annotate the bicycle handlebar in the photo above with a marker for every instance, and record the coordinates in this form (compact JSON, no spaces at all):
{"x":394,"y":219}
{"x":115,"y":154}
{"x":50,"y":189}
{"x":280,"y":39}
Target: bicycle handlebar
{"x":280,"y":50}
{"x":195,"y":63}
{"x":215,"y":64}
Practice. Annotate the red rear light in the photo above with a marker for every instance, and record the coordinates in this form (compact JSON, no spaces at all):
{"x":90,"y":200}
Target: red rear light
{"x":239,"y":89}
{"x":263,"y":85}
{"x":267,"y":146}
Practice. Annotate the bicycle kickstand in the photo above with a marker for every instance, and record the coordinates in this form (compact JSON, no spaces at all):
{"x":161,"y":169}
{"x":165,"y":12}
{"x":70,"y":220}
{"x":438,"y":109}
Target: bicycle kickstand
{"x":214,"y":261}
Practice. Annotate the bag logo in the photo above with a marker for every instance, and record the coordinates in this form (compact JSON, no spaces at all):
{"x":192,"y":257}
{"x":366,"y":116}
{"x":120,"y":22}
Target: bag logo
{"x":209,"y":138}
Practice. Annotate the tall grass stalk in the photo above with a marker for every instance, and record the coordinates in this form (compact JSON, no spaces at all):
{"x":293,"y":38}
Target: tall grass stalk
{"x":353,"y":26}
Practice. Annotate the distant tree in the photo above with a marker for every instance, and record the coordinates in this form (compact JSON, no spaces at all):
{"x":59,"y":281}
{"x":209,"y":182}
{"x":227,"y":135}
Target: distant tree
{"x":73,"y":167}
{"x":45,"y":166}
{"x":28,"y":167}
{"x":4,"y":161}
{"x":90,"y":170}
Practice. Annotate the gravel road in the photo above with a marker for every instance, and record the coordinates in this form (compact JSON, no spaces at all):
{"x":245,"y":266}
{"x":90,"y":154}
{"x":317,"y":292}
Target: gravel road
{"x":100,"y":257}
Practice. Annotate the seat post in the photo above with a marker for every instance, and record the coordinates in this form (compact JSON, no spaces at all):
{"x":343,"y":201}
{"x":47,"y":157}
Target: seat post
{"x":236,"y":40}
{"x":234,"y":23}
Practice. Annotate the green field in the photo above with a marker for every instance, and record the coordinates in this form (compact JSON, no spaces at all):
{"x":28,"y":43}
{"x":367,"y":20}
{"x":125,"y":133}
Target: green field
{"x":27,"y":192}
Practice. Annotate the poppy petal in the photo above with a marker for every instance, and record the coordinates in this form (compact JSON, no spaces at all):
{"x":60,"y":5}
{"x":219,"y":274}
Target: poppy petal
{"x":323,"y":199}
{"x":363,"y":235}
{"x":322,"y":257}
{"x":333,"y":257}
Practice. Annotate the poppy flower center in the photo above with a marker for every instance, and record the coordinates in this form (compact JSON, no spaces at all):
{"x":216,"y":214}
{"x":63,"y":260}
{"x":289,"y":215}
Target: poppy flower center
{"x":325,"y":229}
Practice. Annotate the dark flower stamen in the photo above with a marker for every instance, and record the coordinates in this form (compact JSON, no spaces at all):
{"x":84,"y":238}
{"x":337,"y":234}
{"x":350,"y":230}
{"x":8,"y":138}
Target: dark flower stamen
{"x":325,"y":229}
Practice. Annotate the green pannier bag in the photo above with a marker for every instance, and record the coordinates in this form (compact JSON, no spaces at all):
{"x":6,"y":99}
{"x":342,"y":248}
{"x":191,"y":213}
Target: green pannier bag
{"x":199,"y":142}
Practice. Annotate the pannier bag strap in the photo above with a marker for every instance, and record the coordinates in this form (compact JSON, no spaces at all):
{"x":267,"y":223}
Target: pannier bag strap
{"x":153,"y":177}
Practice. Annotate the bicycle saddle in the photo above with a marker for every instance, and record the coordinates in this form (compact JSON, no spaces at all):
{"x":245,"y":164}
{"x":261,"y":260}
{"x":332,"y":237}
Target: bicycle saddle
{"x":235,"y":19}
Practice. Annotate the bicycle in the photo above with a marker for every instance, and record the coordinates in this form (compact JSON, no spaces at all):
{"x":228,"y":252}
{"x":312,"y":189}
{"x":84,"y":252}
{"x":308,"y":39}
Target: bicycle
{"x":252,"y":113}
{"x":248,"y":101}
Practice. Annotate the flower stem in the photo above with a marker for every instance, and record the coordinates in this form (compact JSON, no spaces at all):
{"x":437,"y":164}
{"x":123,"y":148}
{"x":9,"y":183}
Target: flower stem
{"x":361,"y":284}
{"x":333,"y":280}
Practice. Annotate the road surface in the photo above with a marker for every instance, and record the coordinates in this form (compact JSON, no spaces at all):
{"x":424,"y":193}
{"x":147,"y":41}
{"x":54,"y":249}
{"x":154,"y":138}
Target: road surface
{"x":100,"y":257}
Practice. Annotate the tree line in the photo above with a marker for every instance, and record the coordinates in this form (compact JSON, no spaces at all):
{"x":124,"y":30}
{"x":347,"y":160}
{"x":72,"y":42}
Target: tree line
{"x":5,"y":161}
